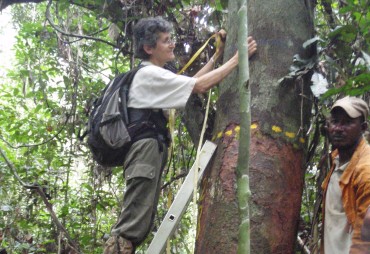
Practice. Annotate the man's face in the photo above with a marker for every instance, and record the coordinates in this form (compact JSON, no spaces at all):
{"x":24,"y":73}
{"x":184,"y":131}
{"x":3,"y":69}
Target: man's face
{"x":344,"y":131}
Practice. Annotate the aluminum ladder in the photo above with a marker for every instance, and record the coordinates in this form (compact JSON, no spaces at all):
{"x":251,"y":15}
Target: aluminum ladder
{"x":181,"y":201}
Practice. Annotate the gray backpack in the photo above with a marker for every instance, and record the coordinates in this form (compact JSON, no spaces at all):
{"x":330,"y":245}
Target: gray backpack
{"x":112,"y":127}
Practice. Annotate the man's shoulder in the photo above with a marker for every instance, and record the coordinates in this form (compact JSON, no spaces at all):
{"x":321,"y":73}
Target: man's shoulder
{"x":364,"y":157}
{"x":365,"y":150}
{"x":152,"y":70}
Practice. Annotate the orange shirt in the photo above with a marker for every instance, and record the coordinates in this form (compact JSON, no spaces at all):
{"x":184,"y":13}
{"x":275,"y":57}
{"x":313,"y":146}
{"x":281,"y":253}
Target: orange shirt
{"x":355,"y":186}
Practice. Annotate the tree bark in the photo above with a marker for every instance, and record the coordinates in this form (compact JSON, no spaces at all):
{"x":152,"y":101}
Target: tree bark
{"x":280,"y":117}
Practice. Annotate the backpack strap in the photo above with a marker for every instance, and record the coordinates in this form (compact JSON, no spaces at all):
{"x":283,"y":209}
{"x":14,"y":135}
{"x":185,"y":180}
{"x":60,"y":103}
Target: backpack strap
{"x":125,"y":84}
{"x":149,"y":123}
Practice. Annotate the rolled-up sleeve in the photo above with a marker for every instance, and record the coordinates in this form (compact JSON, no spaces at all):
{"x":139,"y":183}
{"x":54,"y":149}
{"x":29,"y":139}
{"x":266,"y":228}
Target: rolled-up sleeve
{"x":155,"y":87}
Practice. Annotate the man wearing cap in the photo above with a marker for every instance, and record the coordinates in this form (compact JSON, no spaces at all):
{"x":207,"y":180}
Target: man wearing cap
{"x":346,"y":189}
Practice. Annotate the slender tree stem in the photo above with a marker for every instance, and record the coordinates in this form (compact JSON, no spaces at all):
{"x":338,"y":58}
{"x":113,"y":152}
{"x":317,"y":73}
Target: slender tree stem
{"x":243,"y":190}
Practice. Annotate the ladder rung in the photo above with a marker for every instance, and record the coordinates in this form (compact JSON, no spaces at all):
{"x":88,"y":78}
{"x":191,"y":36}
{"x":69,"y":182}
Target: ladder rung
{"x":181,"y":201}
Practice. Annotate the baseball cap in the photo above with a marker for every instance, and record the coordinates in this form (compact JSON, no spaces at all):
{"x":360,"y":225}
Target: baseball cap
{"x":354,"y":107}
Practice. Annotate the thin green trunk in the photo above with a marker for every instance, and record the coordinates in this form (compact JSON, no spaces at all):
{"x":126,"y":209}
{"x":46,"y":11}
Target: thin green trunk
{"x":243,"y":189}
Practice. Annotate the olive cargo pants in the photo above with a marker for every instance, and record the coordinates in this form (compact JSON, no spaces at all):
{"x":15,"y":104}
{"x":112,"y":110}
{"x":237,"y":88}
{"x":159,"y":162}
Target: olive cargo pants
{"x":143,"y":166}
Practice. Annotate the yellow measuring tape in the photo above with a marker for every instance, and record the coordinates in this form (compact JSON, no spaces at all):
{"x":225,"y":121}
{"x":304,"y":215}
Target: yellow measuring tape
{"x":186,"y":66}
{"x":172,"y":121}
{"x":192,"y":59}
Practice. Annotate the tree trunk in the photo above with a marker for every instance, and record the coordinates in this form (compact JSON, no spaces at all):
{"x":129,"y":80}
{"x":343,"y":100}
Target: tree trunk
{"x":280,"y":116}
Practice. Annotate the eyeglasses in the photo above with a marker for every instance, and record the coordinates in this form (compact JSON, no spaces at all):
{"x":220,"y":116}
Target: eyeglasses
{"x":170,"y":41}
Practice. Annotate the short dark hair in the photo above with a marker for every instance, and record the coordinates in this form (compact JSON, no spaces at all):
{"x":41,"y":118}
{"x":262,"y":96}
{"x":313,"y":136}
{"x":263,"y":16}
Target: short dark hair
{"x":146,"y":32}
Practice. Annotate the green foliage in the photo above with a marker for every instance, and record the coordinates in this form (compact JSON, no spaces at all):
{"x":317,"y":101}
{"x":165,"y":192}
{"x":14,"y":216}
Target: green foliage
{"x":44,"y":100}
{"x":344,"y":45}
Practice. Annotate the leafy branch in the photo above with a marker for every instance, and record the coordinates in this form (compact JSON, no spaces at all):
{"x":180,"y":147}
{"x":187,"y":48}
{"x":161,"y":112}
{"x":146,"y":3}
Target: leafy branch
{"x":43,"y":196}
{"x":48,"y":17}
{"x":37,"y":144}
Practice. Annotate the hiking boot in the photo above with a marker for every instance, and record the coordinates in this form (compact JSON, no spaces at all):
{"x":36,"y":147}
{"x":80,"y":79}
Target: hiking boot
{"x":118,"y":245}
